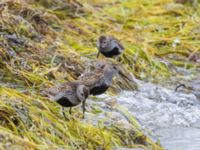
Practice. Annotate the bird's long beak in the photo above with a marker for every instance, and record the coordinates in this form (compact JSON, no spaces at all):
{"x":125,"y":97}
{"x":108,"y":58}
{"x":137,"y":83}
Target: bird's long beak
{"x":98,"y":54}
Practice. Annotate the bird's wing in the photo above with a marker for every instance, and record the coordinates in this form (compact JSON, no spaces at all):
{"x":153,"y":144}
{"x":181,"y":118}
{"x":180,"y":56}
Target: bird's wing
{"x":92,"y":79}
{"x":91,"y":75}
{"x":64,"y":94}
{"x":53,"y":91}
{"x":118,"y":43}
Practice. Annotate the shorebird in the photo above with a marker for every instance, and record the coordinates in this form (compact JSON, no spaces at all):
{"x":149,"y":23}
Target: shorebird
{"x":109,"y":46}
{"x":100,"y":79}
{"x":69,"y":94}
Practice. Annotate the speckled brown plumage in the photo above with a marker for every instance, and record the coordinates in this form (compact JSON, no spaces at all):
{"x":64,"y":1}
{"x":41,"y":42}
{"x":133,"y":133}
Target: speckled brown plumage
{"x":99,"y":80}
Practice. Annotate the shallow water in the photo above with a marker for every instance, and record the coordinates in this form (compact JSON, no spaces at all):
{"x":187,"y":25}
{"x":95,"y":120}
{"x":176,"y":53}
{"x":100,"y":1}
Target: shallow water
{"x":158,"y":107}
{"x":180,"y":138}
{"x":171,"y":117}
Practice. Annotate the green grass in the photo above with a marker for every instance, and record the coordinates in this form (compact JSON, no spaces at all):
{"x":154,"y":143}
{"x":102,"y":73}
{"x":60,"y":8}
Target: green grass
{"x":57,"y":39}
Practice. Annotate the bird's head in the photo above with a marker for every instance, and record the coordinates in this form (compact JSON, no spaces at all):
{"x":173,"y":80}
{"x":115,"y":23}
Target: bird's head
{"x":103,"y":42}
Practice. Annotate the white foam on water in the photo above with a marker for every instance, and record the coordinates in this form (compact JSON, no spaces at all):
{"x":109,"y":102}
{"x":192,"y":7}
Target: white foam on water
{"x":173,"y":116}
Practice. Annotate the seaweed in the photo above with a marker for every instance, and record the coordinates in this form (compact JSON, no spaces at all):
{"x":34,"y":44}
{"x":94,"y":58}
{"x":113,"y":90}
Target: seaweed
{"x":47,"y":42}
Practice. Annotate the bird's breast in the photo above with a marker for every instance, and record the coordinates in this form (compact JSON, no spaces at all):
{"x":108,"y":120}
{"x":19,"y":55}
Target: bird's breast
{"x":100,"y":89}
{"x":65,"y":102}
{"x":113,"y":52}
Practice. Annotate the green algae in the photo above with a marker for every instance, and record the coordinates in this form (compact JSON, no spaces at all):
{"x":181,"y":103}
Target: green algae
{"x":50,"y":42}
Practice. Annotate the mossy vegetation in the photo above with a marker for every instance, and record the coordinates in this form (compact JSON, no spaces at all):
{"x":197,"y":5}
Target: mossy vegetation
{"x":43,"y":43}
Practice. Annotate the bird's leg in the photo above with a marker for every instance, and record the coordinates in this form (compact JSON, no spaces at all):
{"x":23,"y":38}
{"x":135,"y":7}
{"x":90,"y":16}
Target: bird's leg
{"x":70,"y":110}
{"x":83,"y":108}
{"x":63,"y":111}
{"x":98,"y":54}
{"x":180,"y":85}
